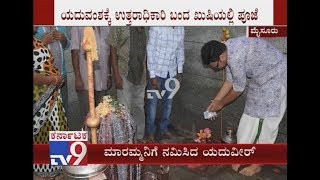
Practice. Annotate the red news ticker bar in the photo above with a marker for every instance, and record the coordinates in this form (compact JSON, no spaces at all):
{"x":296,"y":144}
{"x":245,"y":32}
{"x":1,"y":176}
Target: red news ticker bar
{"x":251,"y":154}
{"x":43,"y":12}
{"x":41,"y":154}
{"x":280,"y":12}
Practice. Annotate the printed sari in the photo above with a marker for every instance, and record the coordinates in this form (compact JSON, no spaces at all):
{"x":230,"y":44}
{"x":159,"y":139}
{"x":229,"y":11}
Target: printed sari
{"x":48,"y":111}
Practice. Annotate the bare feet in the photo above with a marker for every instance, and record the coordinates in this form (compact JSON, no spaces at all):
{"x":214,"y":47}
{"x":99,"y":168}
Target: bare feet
{"x":250,"y":170}
{"x":235,"y":167}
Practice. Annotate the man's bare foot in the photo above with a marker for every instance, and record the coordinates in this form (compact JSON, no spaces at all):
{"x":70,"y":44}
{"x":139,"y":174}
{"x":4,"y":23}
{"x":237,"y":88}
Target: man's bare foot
{"x":235,"y":167}
{"x":250,"y":170}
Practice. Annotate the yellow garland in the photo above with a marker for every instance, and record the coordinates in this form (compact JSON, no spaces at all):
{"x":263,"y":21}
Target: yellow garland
{"x":89,"y":43}
{"x":225,"y":35}
{"x":104,"y":107}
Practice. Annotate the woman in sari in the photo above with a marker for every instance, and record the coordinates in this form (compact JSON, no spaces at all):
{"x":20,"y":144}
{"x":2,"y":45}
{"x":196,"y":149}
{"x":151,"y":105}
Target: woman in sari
{"x":48,"y":111}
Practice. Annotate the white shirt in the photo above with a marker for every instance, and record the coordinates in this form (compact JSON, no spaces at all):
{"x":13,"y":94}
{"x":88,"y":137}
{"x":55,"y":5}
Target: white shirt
{"x":165,"y":51}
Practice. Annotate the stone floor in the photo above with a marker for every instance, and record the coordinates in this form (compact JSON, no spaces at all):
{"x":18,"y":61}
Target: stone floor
{"x":220,"y":173}
{"x":210,"y":172}
{"x":215,"y":172}
{"x":182,"y":172}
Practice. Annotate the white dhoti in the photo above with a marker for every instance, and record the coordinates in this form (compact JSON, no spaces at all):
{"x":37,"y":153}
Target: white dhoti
{"x":248,"y":126}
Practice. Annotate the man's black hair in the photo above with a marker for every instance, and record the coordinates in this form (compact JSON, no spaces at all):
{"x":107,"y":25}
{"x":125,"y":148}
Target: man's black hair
{"x":211,"y":51}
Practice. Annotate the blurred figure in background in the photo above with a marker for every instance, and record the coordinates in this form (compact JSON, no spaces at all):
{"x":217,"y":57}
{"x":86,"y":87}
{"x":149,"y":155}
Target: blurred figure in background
{"x":128,"y":57}
{"x":165,"y":59}
{"x":101,"y":69}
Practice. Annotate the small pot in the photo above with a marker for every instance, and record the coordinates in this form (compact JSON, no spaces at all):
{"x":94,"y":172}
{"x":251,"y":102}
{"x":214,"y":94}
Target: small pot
{"x":149,"y":176}
{"x":163,"y":172}
{"x":229,"y":136}
{"x":84,"y":172}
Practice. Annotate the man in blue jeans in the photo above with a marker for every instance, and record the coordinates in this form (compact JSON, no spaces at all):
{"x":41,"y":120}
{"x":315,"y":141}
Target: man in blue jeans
{"x":165,"y":59}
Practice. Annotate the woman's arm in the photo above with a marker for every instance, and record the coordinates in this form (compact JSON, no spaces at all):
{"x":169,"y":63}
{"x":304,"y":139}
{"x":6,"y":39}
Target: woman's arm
{"x":39,"y":79}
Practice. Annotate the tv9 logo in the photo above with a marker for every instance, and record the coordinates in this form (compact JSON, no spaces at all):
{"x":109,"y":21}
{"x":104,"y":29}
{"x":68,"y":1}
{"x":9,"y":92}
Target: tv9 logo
{"x":68,"y":148}
{"x":172,"y":88}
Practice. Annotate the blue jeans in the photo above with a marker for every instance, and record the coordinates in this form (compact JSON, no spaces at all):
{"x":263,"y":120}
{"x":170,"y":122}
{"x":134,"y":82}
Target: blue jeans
{"x":152,"y":101}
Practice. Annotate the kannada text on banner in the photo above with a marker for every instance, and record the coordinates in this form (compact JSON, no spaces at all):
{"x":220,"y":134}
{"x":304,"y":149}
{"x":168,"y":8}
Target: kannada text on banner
{"x":164,"y":13}
{"x":177,"y":154}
